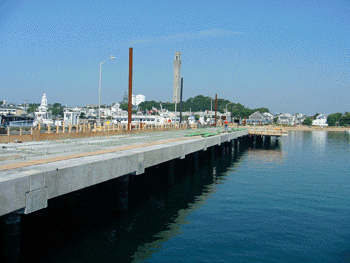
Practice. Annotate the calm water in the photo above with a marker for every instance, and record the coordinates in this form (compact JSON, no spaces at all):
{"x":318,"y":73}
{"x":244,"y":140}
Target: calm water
{"x":289,"y":203}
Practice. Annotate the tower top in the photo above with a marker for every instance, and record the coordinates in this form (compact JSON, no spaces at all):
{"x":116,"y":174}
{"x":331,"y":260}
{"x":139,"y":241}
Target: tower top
{"x":177,"y":55}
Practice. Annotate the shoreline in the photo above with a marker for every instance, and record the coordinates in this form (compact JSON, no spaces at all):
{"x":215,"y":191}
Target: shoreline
{"x":307,"y":128}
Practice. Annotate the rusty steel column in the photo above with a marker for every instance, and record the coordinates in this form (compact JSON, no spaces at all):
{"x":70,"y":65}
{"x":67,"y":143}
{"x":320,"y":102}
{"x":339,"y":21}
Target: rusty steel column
{"x":216,"y":107}
{"x":130,"y":89}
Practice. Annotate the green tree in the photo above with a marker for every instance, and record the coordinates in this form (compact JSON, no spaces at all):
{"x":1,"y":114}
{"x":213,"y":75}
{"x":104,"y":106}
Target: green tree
{"x":203,"y":103}
{"x":32,"y":107}
{"x":307,"y":121}
{"x":334,"y":119}
{"x":57,"y":109}
{"x":124,"y":106}
{"x":345,"y":120}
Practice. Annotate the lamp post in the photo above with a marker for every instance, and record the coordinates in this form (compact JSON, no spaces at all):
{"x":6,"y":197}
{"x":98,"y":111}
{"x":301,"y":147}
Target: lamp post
{"x":99,"y":89}
{"x":226,"y":107}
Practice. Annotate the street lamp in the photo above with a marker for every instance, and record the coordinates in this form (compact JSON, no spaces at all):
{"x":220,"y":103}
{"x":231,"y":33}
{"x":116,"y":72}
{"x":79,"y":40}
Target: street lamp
{"x":226,"y":107}
{"x":99,"y":89}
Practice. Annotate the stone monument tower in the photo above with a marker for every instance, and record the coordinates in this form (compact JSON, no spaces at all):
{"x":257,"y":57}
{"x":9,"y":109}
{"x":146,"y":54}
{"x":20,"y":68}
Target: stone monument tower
{"x":177,"y":77}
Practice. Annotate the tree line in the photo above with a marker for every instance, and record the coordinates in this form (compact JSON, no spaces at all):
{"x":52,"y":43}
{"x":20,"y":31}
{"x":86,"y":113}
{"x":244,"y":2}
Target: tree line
{"x":203,"y":103}
{"x":339,"y":119}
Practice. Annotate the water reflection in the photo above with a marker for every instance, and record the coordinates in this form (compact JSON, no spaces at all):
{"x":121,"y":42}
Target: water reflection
{"x":85,"y":227}
{"x":319,"y":141}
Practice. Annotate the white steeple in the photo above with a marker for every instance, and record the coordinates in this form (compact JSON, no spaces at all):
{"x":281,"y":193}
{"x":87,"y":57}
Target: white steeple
{"x":43,"y":105}
{"x":177,"y":77}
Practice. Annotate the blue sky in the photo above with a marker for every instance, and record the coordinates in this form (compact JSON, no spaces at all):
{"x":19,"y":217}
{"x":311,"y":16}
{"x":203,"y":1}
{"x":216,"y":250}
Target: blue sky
{"x":286,"y":55}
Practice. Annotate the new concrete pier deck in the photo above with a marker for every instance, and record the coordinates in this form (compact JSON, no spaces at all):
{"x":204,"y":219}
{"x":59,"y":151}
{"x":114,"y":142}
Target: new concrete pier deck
{"x":32,"y":173}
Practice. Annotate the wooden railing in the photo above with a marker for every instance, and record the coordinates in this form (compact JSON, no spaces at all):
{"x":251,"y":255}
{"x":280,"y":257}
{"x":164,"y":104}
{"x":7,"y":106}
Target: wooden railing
{"x":18,"y":134}
{"x":267,"y":131}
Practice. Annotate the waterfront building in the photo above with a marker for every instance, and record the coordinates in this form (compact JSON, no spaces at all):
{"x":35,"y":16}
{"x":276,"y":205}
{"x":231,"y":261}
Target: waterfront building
{"x":11,"y":110}
{"x":321,"y":120}
{"x":71,"y":117}
{"x":177,"y":77}
{"x":268,"y":117}
{"x":91,"y":113}
{"x":299,"y":118}
{"x":286,"y":118}
{"x":256,"y":118}
{"x":260,"y":118}
{"x":117,"y":111}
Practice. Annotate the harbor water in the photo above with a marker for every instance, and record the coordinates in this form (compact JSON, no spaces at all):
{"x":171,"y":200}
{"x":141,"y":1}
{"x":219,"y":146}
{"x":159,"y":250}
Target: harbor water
{"x":278,"y":203}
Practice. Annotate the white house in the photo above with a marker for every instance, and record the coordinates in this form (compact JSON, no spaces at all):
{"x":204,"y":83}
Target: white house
{"x":299,"y":118}
{"x":286,"y":118}
{"x":268,"y":117}
{"x":260,"y":118}
{"x":256,"y":118}
{"x":321,"y":120}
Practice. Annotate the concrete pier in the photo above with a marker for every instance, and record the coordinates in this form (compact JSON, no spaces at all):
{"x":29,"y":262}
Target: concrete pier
{"x":27,"y":183}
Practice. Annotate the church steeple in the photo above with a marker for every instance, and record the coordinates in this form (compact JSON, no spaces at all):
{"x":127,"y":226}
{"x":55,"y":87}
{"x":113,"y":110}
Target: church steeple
{"x":43,"y":105}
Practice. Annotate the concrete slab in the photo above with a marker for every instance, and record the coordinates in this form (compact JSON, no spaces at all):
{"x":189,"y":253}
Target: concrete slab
{"x":31,"y":186}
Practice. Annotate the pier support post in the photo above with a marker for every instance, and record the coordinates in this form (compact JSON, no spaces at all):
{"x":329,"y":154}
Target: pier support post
{"x":196,"y":161}
{"x":171,"y":173}
{"x":276,"y":142}
{"x":235,"y":143}
{"x":240,"y":143}
{"x":229,"y":147}
{"x":10,"y":233}
{"x":123,"y":193}
{"x":267,"y":140}
{"x":259,"y":139}
{"x":212,"y":154}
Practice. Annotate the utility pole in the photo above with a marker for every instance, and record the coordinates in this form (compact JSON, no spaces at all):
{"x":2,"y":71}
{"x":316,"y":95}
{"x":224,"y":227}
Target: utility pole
{"x":216,"y":107}
{"x":130,"y":89}
{"x":25,"y":106}
{"x":182,"y":83}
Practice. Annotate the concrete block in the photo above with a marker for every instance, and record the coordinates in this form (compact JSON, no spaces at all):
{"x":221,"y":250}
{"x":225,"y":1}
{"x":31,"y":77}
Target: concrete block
{"x":140,"y":164}
{"x":12,"y":194}
{"x":205,"y":147}
{"x":37,"y":180}
{"x":36,"y":200}
{"x":224,"y":138}
{"x":183,"y":151}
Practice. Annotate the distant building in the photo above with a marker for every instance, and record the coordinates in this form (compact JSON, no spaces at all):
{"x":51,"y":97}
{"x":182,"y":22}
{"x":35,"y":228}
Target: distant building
{"x":260,"y":118}
{"x":11,"y":110}
{"x":321,"y":120}
{"x":299,"y":118}
{"x":42,"y":115}
{"x":268,"y":117}
{"x":71,"y":117}
{"x":256,"y":118}
{"x":286,"y":118}
{"x":137,"y":99}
